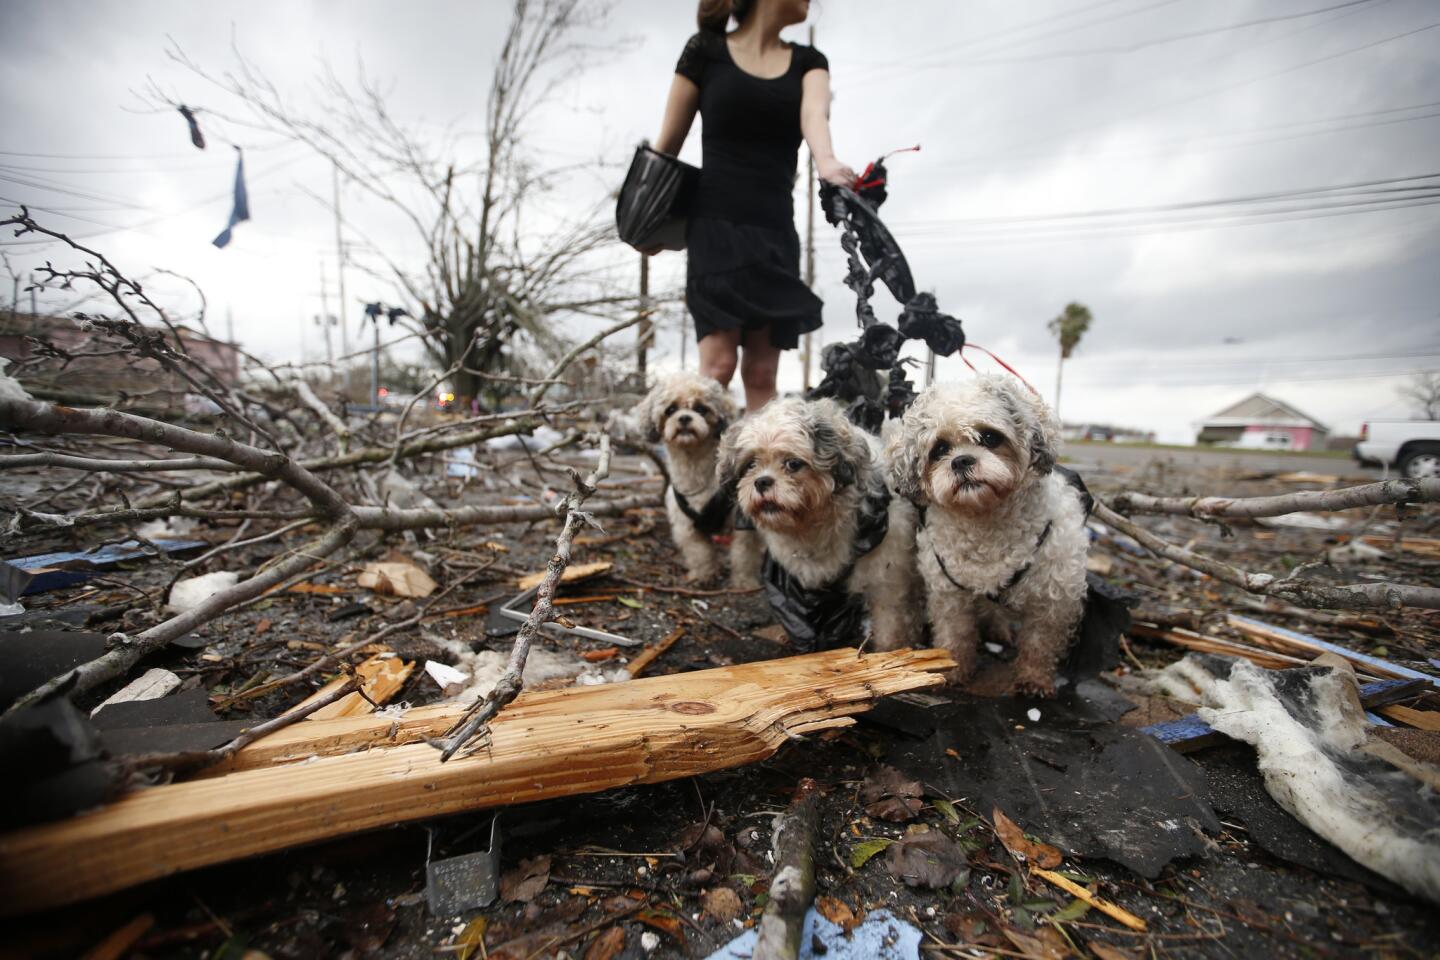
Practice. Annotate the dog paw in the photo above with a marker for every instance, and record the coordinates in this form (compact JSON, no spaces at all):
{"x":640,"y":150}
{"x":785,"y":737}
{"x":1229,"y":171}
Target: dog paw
{"x":744,"y":583}
{"x":959,"y":676}
{"x":1030,"y":686}
{"x":708,"y":575}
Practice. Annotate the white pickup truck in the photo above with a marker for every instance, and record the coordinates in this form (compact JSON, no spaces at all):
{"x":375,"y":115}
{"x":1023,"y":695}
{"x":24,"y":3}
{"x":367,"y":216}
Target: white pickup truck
{"x":1412,"y":447}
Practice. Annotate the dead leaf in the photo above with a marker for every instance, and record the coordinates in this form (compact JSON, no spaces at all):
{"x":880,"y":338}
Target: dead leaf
{"x":1106,"y":952}
{"x":926,"y":860}
{"x":722,"y":903}
{"x":323,"y":589}
{"x":664,"y":922}
{"x":774,"y":633}
{"x":1038,"y":947}
{"x":607,"y":945}
{"x":888,"y":795}
{"x":596,"y":656}
{"x":396,"y":579}
{"x":838,"y":912}
{"x":576,"y":571}
{"x":1010,"y":834}
{"x":525,"y":881}
{"x":263,"y":626}
{"x":470,"y":938}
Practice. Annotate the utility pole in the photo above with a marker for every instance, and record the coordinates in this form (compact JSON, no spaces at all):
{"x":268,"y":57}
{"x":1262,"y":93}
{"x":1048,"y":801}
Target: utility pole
{"x":646,"y":328}
{"x":229,"y":324}
{"x":684,"y":333}
{"x":324,"y":320}
{"x":340,"y":267}
{"x":806,"y":349}
{"x":929,"y":367}
{"x":33,"y":311}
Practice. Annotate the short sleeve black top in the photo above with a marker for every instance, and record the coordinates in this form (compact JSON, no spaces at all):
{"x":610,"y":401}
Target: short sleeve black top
{"x":750,"y":132}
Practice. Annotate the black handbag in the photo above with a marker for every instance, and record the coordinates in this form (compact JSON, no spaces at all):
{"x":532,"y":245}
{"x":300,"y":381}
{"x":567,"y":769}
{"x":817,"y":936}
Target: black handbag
{"x":654,"y":203}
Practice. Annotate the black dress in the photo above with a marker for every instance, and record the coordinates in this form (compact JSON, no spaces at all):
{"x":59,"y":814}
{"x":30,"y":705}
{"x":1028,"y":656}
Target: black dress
{"x":743,"y":267}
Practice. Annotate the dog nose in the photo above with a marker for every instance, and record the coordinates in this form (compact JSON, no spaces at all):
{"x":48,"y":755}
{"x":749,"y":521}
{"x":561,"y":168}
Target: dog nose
{"x":764,"y":483}
{"x":684,"y":418}
{"x":962,"y":464}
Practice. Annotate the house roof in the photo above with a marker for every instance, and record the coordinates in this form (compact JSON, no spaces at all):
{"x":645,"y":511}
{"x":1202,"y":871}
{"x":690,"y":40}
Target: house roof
{"x":1260,"y":409}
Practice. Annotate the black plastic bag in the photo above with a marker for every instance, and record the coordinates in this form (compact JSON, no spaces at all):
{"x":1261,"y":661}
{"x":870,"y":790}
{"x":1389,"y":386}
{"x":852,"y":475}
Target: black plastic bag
{"x":654,"y":203}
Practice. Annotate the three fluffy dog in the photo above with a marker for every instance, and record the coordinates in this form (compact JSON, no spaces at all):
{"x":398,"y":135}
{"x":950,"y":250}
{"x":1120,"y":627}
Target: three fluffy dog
{"x":963,"y":505}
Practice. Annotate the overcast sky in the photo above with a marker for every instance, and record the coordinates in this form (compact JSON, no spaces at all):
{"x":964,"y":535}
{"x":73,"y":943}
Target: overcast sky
{"x":1034,"y":118}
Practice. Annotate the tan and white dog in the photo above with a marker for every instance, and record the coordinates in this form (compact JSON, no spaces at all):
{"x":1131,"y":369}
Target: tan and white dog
{"x":838,"y":547}
{"x":689,"y":413}
{"x":1002,"y":538}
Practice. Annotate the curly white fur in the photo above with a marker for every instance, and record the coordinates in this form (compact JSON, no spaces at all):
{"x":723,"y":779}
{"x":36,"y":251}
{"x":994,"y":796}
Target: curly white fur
{"x":801,"y":472}
{"x":689,"y":413}
{"x":979,"y":456}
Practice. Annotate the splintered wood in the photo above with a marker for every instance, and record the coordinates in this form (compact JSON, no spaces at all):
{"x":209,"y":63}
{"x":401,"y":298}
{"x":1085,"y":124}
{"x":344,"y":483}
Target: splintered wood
{"x":544,"y":745}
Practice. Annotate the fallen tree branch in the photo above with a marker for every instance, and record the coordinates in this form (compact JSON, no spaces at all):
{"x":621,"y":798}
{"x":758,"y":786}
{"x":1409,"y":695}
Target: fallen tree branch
{"x":101,"y":465}
{"x":308,"y":397}
{"x":1349,"y":498}
{"x":1305,"y":593}
{"x":792,"y":889}
{"x":510,"y":682}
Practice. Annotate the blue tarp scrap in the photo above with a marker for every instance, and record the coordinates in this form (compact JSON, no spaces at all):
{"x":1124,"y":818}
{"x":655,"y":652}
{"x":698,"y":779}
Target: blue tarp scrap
{"x":240,"y":208}
{"x":48,"y":569}
{"x":883,"y":936}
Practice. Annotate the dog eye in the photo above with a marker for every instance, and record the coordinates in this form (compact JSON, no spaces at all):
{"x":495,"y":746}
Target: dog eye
{"x":990,"y":439}
{"x":939,"y":450}
{"x":671,"y":409}
{"x":701,"y":409}
{"x":794,"y":465}
{"x":749,"y":465}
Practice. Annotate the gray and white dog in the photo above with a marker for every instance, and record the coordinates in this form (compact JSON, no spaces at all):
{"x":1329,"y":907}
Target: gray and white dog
{"x":689,"y":413}
{"x":1002,"y":538}
{"x":839,"y":548}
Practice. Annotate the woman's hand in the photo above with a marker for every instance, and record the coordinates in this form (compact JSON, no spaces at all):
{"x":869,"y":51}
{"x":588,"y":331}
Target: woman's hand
{"x":833,"y":171}
{"x":651,"y":250}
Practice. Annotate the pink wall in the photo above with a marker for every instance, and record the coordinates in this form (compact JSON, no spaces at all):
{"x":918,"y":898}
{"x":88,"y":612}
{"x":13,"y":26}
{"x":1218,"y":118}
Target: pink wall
{"x":1300,"y":437}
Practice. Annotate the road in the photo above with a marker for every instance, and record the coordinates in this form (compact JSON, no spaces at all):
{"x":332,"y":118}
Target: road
{"x":1110,"y":455}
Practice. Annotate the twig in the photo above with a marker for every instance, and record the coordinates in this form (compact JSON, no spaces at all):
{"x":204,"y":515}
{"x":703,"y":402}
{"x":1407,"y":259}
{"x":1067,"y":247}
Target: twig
{"x":307,"y":396}
{"x":510,"y":682}
{"x":195,"y":759}
{"x":793,"y":887}
{"x":652,"y":653}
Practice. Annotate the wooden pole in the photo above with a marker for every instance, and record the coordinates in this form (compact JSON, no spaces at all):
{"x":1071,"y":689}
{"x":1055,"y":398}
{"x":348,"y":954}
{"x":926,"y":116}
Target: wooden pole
{"x":645,"y":331}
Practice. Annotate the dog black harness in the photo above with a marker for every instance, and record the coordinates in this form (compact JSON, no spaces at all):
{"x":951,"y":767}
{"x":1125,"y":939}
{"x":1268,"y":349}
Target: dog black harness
{"x":714,"y":516}
{"x":828,"y":616}
{"x":998,"y":596}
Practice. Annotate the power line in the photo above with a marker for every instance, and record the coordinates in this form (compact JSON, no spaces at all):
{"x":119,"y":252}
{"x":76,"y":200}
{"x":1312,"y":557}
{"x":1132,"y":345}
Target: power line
{"x":1174,"y":38}
{"x":1340,"y":189}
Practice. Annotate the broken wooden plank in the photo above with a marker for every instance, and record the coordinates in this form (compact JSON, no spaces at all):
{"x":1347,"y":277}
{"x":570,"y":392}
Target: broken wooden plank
{"x":545,"y":745}
{"x":382,"y":677}
{"x":1296,"y":644}
{"x":1419,"y":719}
{"x":652,"y":653}
{"x":1199,"y":642}
{"x":1190,"y":733}
{"x":578,"y":571}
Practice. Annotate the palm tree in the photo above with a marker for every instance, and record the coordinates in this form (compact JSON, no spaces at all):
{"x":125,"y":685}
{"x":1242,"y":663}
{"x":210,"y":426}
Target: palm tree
{"x":1069,"y":327}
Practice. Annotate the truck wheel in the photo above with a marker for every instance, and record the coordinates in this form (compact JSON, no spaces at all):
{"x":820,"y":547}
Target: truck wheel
{"x":1421,"y":461}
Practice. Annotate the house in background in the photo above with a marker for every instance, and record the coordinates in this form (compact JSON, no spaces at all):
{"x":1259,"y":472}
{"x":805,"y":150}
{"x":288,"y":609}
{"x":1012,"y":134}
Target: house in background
{"x":1263,"y":423}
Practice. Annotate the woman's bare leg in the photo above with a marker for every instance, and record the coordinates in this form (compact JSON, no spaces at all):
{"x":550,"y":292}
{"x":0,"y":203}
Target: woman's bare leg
{"x":759,"y":365}
{"x":717,"y":355}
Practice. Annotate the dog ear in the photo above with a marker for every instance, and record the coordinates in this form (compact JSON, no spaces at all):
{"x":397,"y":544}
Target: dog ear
{"x":839,"y":445}
{"x":646,"y":412}
{"x":1037,"y":423}
{"x":905,"y":459}
{"x":724,"y":407}
{"x":727,"y":460}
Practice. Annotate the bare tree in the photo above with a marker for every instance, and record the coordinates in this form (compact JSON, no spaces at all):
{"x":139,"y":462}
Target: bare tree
{"x":486,"y":262}
{"x":1423,"y":391}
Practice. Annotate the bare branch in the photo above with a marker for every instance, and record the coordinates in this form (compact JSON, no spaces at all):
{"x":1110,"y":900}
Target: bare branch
{"x":508,"y":687}
{"x":1348,"y":498}
{"x":1305,"y":593}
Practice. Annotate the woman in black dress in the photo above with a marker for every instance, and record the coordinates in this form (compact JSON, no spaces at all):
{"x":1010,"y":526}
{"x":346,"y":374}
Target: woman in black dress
{"x":758,"y":96}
